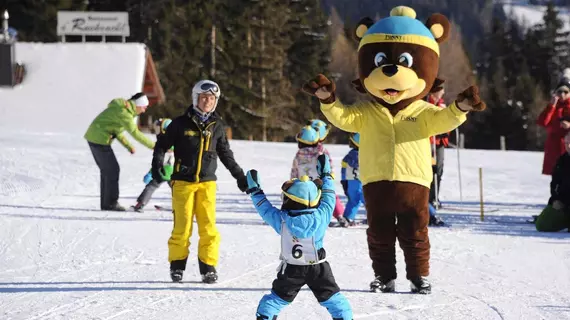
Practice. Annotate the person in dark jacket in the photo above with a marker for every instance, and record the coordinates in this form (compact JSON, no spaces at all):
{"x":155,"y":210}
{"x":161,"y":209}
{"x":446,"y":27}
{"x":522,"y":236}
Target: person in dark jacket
{"x":198,"y":138}
{"x":109,"y":125}
{"x":556,"y":215}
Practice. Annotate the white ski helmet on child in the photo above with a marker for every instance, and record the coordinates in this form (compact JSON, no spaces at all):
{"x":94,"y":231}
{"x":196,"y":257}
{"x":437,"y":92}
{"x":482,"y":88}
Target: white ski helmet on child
{"x":203,"y":86}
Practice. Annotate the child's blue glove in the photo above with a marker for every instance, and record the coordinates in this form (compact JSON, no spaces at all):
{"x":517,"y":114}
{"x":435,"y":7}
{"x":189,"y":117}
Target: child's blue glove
{"x":147,"y":178}
{"x":324,"y":166}
{"x":253,"y":182}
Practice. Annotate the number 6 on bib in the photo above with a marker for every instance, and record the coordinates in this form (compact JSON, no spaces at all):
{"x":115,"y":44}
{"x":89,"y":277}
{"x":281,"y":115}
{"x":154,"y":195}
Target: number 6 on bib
{"x":297,"y":251}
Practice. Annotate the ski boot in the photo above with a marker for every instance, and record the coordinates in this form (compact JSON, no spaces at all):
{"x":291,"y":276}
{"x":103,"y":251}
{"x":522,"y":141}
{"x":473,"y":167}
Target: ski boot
{"x":139,"y":207}
{"x":436,"y":221}
{"x":420,"y":285}
{"x":381,"y":285}
{"x":350,"y":223}
{"x":210,"y":277}
{"x":208,"y":272}
{"x":341,"y":222}
{"x":176,"y":275}
{"x":114,"y":207}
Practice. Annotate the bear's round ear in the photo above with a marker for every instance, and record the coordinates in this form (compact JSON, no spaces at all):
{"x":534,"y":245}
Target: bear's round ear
{"x":362,"y":27}
{"x":439,"y":27}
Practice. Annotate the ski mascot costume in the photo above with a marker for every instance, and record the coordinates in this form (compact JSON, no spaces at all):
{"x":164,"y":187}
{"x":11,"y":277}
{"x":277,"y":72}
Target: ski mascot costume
{"x":398,"y":61}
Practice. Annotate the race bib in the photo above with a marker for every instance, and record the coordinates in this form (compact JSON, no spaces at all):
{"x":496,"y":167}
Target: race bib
{"x":352,"y":173}
{"x":297,"y":251}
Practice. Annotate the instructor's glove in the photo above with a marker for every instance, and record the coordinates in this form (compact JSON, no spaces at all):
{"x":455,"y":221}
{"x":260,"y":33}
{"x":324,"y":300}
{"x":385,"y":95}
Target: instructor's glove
{"x":242,"y":183}
{"x":253,"y":182}
{"x":324,"y":166}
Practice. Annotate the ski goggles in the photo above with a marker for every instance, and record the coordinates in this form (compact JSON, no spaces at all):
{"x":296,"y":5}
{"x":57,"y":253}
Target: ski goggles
{"x":210,"y":87}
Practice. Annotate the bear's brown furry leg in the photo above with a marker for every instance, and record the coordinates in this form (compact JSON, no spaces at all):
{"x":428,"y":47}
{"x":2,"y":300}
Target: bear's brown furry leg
{"x":412,"y":230}
{"x":381,"y":233}
{"x":386,"y":200}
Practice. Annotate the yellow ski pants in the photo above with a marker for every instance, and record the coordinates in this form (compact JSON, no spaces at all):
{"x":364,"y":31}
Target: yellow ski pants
{"x":191,"y":199}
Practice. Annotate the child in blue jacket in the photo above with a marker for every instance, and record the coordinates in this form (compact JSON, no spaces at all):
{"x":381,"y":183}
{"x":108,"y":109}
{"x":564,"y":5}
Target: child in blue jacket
{"x":301,"y":222}
{"x":350,"y":180}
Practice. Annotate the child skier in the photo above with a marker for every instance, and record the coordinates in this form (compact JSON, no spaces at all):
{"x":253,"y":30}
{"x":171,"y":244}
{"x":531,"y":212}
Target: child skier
{"x":350,"y":180}
{"x":305,"y":160}
{"x":166,"y":172}
{"x":323,"y":131}
{"x":301,"y":222}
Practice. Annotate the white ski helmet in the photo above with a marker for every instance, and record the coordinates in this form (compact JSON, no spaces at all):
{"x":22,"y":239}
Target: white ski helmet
{"x":203,"y":86}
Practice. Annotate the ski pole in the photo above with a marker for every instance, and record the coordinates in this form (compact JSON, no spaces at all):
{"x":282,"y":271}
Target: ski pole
{"x":458,"y":146}
{"x":435,"y":184}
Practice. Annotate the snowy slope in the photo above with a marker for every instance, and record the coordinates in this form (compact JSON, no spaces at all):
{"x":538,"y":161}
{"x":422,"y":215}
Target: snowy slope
{"x":61,"y":258}
{"x":67,"y":84}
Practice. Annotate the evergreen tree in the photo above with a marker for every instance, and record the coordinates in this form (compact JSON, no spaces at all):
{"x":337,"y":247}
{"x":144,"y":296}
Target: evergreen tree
{"x":548,"y":49}
{"x":308,"y":55}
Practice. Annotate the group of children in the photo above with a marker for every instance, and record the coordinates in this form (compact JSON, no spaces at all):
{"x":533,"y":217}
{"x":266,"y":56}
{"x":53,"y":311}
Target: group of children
{"x":310,"y":141}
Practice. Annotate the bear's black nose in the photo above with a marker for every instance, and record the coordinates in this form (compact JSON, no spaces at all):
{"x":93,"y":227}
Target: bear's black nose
{"x":390,"y":69}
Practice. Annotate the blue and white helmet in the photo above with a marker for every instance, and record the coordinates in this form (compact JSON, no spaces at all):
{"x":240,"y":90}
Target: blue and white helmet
{"x":161,"y":124}
{"x":308,"y":136}
{"x":355,"y":138}
{"x":321,"y":128}
{"x":203,"y":86}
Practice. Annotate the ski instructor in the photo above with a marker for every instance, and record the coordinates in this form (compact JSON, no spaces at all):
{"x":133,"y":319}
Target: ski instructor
{"x":199,"y":138}
{"x":108,"y":125}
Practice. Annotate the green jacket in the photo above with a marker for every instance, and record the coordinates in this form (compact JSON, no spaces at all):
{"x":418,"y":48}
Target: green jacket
{"x":113,"y":121}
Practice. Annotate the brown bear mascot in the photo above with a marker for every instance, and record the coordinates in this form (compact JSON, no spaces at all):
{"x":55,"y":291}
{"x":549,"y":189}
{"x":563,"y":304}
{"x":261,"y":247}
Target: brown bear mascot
{"x":398,"y":60}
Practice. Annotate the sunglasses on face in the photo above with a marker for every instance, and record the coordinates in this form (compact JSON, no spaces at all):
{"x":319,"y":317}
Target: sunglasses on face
{"x":562,"y":92}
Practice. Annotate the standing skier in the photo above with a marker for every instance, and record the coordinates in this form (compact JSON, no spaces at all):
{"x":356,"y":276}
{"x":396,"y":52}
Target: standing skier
{"x":108,"y":125}
{"x":199,"y":138}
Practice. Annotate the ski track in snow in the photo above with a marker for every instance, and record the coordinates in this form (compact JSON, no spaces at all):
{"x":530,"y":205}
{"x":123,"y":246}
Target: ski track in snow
{"x":62,"y":258}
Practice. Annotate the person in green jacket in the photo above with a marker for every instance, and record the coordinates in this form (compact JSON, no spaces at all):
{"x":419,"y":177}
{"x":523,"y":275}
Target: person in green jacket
{"x":105,"y":128}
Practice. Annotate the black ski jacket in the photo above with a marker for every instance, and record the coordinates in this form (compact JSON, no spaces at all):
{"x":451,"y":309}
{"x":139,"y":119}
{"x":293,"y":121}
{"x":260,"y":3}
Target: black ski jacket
{"x":197,"y":146}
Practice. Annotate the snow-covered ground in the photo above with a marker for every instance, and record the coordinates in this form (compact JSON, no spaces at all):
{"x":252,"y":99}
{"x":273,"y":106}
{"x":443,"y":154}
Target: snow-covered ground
{"x":61,"y":258}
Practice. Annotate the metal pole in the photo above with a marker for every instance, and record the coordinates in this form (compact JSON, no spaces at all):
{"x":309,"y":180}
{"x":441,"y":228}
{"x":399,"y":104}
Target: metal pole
{"x":459,"y":145}
{"x":435,"y":184}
